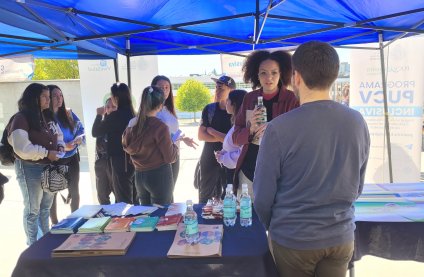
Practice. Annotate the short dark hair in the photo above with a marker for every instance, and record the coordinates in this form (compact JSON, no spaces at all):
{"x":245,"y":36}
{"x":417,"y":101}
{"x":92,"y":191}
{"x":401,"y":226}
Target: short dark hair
{"x":254,"y":60}
{"x":318,"y":64}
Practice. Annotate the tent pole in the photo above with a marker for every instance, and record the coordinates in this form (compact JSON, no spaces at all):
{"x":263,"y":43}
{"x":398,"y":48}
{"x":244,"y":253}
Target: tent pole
{"x":115,"y":66}
{"x":127,"y":53}
{"x":386,"y":113}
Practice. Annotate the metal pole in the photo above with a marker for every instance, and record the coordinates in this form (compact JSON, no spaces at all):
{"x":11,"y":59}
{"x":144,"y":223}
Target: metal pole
{"x":386,"y":112}
{"x":127,"y":52}
{"x":115,"y":66}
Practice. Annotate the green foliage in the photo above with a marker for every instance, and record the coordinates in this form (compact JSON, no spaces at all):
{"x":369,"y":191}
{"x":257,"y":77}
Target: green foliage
{"x":55,"y":69}
{"x":192,"y":96}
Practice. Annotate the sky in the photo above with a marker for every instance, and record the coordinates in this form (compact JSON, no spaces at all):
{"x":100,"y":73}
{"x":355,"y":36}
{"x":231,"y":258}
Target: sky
{"x":200,"y":64}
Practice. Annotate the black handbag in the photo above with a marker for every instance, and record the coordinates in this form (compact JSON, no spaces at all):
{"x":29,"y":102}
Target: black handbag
{"x":54,"y":178}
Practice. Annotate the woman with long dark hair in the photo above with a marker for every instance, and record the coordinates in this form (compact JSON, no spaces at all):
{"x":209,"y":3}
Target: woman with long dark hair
{"x":152,"y":151}
{"x":36,"y":140}
{"x":73,"y":135}
{"x":168,"y":116}
{"x":230,"y":152}
{"x":113,"y":127}
{"x":270,"y":74}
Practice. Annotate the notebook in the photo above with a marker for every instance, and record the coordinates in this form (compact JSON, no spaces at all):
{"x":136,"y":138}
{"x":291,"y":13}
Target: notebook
{"x":169,"y":222}
{"x":119,"y":224}
{"x":86,"y":211}
{"x":94,"y":225}
{"x":68,"y":225}
{"x":144,"y":224}
{"x":104,"y":244}
{"x":209,"y":245}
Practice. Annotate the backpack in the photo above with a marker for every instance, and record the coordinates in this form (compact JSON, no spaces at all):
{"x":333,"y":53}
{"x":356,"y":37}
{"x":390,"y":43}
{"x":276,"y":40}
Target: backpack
{"x":7,"y":156}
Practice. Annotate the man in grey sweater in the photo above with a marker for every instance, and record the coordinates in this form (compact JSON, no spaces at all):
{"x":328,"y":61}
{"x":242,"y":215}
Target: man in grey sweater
{"x":310,"y":170}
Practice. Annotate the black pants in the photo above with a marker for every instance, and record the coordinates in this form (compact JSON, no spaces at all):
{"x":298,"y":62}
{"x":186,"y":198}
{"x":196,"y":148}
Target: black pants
{"x":212,"y":179}
{"x":103,"y":172}
{"x":73,"y":186}
{"x":122,"y":178}
{"x":155,"y":186}
{"x":175,"y":169}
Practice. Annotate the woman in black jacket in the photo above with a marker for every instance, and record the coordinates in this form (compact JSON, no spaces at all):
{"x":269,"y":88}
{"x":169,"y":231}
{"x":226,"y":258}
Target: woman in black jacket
{"x":113,"y":127}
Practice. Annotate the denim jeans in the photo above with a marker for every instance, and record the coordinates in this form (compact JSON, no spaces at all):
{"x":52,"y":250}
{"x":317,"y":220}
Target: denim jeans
{"x":37,"y":202}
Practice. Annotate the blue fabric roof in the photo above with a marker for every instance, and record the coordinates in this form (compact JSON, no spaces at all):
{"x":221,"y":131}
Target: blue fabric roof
{"x":100,"y":29}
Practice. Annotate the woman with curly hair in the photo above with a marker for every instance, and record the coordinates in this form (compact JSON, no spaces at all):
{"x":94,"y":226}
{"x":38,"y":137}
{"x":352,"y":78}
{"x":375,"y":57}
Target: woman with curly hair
{"x":270,"y":74}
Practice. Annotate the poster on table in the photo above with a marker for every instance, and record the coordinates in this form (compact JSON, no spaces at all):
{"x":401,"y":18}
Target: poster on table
{"x":96,"y":78}
{"x":404,"y":60}
{"x":16,"y":69}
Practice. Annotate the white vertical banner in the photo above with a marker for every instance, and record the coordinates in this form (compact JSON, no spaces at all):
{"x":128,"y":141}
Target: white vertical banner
{"x":143,"y":70}
{"x":96,"y":78}
{"x":404,"y":61}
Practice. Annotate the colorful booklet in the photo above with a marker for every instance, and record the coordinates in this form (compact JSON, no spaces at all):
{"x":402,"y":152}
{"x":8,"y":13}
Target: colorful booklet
{"x":209,"y":244}
{"x":68,"y":225}
{"x":119,"y":224}
{"x":169,"y":222}
{"x":94,"y":225}
{"x":104,"y":244}
{"x":144,"y":224}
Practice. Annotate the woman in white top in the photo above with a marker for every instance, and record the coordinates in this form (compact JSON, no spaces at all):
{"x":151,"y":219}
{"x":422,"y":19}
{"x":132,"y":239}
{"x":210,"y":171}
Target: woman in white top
{"x":230,"y":152}
{"x":168,"y":116}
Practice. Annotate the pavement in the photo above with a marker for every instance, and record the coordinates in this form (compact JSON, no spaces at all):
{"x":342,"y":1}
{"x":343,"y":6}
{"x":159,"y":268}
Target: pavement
{"x":12,"y":237}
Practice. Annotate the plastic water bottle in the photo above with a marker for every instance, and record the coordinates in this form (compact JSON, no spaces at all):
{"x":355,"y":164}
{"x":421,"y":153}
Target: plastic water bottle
{"x":229,"y":207}
{"x":261,"y":106}
{"x":190,"y":222}
{"x":245,"y":207}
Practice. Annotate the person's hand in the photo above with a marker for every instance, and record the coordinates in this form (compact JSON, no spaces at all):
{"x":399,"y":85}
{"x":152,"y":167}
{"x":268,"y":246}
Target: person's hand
{"x":260,"y":130}
{"x":101,"y":110}
{"x":70,"y":146}
{"x":189,"y":142}
{"x":52,"y":155}
{"x":77,"y":141}
{"x":253,"y":123}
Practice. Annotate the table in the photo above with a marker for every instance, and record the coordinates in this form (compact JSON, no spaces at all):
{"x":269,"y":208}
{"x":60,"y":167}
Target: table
{"x":400,"y":239}
{"x":245,"y":252}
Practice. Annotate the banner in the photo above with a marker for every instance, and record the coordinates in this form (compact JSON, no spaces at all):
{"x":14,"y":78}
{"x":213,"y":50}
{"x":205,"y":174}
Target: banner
{"x":16,"y":69}
{"x":232,"y":65}
{"x":404,"y":60}
{"x":96,"y":78}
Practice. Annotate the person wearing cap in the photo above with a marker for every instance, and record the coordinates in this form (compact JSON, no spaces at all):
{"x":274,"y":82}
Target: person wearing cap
{"x":270,"y":74}
{"x":215,"y":124}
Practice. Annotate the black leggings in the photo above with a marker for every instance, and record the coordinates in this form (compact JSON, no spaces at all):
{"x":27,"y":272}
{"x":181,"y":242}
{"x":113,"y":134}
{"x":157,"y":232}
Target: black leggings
{"x":155,"y":186}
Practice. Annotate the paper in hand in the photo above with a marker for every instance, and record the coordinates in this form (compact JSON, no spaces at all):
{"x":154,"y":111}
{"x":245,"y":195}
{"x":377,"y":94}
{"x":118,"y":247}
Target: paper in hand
{"x":178,"y":135}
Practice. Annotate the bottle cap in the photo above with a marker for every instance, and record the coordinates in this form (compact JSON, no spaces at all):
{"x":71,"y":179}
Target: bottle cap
{"x":229,"y":187}
{"x":189,"y":202}
{"x":244,"y":187}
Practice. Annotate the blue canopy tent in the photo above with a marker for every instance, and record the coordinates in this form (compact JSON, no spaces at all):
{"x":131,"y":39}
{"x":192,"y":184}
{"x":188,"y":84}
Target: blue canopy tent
{"x":86,"y":29}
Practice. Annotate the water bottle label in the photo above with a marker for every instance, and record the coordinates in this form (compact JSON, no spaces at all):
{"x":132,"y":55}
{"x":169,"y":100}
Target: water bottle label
{"x":246,"y":211}
{"x":191,"y":227}
{"x":229,"y":209}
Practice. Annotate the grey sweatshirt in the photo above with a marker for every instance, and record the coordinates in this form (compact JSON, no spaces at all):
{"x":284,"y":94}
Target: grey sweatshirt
{"x":310,"y":169}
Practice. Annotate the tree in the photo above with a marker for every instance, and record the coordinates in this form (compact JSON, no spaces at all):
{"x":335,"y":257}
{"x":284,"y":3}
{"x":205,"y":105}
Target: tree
{"x":192,"y":96}
{"x":55,"y":69}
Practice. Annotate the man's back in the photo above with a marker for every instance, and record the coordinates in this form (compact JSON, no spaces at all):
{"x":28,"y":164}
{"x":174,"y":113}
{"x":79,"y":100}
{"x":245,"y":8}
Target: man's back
{"x":317,"y":156}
